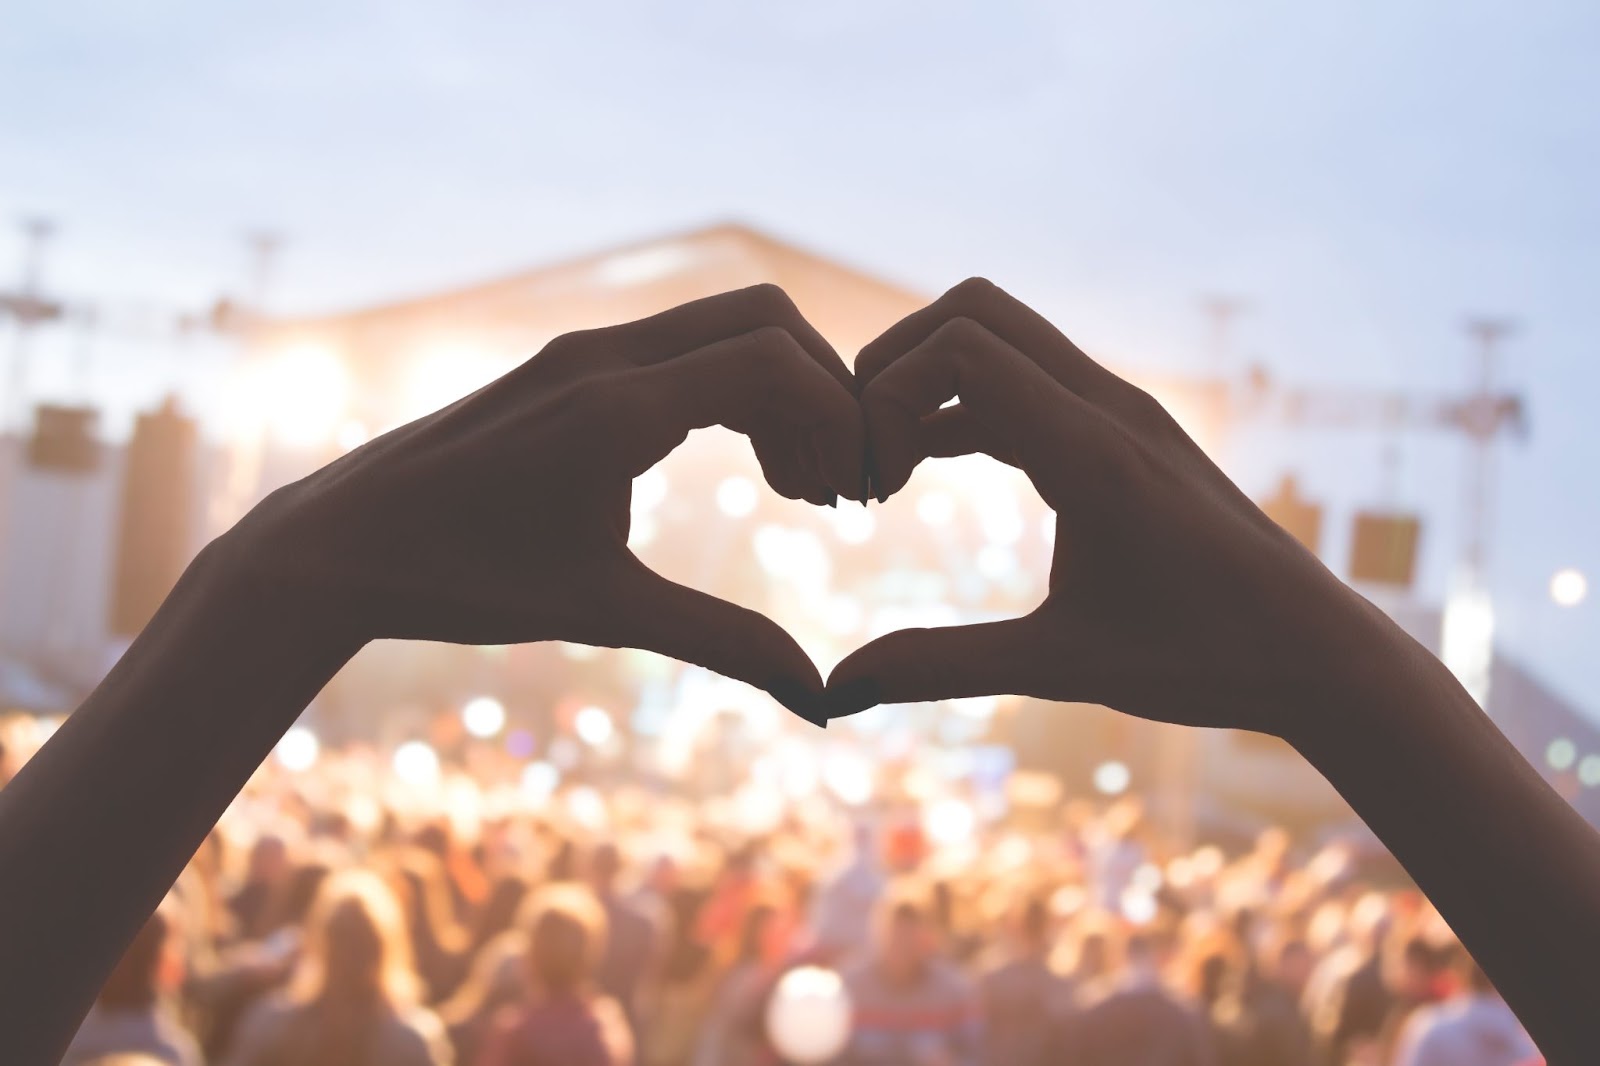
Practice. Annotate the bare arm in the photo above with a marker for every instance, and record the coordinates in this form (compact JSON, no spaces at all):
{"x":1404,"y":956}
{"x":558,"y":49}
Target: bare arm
{"x":501,"y":519}
{"x":1174,"y":598}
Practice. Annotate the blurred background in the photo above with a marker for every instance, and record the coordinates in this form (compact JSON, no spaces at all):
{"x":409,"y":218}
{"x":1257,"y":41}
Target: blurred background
{"x":1351,"y":247}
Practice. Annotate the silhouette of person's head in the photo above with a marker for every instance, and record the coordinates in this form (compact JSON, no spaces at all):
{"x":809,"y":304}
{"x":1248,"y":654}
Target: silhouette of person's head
{"x":356,"y":950}
{"x":151,"y":967}
{"x":566,"y":939}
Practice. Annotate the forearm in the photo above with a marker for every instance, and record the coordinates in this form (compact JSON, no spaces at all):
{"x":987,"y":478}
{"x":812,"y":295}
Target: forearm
{"x":97,"y":826}
{"x":1508,"y":863}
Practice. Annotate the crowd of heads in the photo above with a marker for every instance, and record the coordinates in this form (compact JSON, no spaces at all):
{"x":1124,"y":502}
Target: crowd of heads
{"x":336,"y":916}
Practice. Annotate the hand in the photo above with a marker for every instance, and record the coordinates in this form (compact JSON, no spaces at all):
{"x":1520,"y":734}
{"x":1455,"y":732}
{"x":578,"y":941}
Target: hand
{"x":1171,"y":595}
{"x":504,"y":517}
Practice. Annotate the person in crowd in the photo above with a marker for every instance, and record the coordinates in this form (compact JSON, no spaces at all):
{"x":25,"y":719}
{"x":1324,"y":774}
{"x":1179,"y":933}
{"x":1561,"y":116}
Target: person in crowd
{"x":354,"y":998}
{"x":630,"y":959}
{"x":133,"y":1014}
{"x":1471,"y":1027}
{"x":912,"y":1007}
{"x":497,"y":980}
{"x":1141,"y":1022}
{"x":1347,"y":997}
{"x":1023,"y":1001}
{"x":270,"y":865}
{"x":734,"y":1033}
{"x":842,"y":906}
{"x":565,"y":1019}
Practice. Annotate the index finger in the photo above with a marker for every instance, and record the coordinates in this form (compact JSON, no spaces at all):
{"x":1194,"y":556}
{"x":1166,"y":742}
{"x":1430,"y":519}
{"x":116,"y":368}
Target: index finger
{"x":699,"y":323}
{"x":1007,"y":318}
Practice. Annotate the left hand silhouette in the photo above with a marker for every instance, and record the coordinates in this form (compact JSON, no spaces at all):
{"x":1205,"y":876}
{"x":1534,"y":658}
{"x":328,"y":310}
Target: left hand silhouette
{"x":504,"y":517}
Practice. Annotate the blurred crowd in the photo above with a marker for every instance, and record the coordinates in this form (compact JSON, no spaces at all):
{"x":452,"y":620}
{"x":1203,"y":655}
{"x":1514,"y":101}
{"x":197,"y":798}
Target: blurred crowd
{"x":366,"y":911}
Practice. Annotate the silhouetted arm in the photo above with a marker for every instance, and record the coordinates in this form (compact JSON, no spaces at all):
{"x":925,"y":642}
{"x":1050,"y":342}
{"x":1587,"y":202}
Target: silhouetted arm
{"x":1174,"y":598}
{"x":501,"y":519}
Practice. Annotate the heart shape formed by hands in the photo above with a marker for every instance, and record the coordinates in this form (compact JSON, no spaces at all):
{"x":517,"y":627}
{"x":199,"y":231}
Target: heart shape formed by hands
{"x":1171,"y":595}
{"x":504,"y":517}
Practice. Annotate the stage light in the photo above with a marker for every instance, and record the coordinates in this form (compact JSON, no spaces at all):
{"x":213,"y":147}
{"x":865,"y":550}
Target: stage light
{"x":587,"y":808}
{"x":853,"y":525}
{"x":1138,"y":906}
{"x":996,"y":563}
{"x":520,"y":743}
{"x":980,"y":707}
{"x":298,"y":750}
{"x":1001,"y":522}
{"x":949,"y":822}
{"x":416,"y":763}
{"x":441,"y":376}
{"x":936,"y":507}
{"x":794,"y":555}
{"x":1467,"y":640}
{"x":1068,"y":900}
{"x":1147,"y":877}
{"x":649,"y":490}
{"x":539,"y":781}
{"x":483,"y":716}
{"x":352,"y":435}
{"x":1112,"y":778}
{"x":1207,"y":862}
{"x":844,"y":615}
{"x":1589,"y":771}
{"x":593,"y":726}
{"x":848,"y":776}
{"x":736,"y":496}
{"x":299,"y":394}
{"x":809,"y":1016}
{"x":1568,"y":587}
{"x":1561,"y":754}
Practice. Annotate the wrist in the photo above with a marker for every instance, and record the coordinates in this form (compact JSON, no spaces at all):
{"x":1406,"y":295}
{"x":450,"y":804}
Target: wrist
{"x":231,"y":580}
{"x":1364,"y":675}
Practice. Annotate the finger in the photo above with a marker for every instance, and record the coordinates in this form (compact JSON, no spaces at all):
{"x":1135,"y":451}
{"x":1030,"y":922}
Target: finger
{"x":1007,"y":318}
{"x":659,"y":615}
{"x":952,"y":662}
{"x":763,"y":384}
{"x":1022,"y":415}
{"x":783,"y":464}
{"x":694,"y":325}
{"x":953,"y":431}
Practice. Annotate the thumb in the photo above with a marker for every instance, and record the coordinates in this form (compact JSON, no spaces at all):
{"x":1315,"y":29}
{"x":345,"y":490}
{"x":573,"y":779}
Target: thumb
{"x":950,"y":662}
{"x":655,"y":614}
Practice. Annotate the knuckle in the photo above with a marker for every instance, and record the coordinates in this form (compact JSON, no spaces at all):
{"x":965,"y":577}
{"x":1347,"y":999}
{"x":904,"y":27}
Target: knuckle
{"x":768,"y":300}
{"x":961,"y":335}
{"x":975,"y":289}
{"x":608,"y":400}
{"x":1145,"y":410}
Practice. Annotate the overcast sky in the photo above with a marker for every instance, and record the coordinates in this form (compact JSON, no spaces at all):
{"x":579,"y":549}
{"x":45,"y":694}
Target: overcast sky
{"x":1363,"y":174}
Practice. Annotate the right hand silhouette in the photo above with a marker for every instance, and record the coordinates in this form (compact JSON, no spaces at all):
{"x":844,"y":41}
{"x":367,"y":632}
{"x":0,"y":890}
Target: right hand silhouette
{"x":1171,"y":595}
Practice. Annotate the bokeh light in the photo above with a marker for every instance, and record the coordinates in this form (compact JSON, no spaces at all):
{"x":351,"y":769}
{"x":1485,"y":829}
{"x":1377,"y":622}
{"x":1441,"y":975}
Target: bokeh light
{"x":1112,"y":778}
{"x":416,"y":764}
{"x":483,"y":716}
{"x":736,"y":496}
{"x":1569,"y":587}
{"x":593,"y":725}
{"x":298,"y":750}
{"x":299,"y":395}
{"x":809,"y":1016}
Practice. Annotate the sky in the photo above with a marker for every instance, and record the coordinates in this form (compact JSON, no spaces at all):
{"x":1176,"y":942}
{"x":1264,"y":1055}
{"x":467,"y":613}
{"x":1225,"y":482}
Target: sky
{"x":1363,"y":176}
